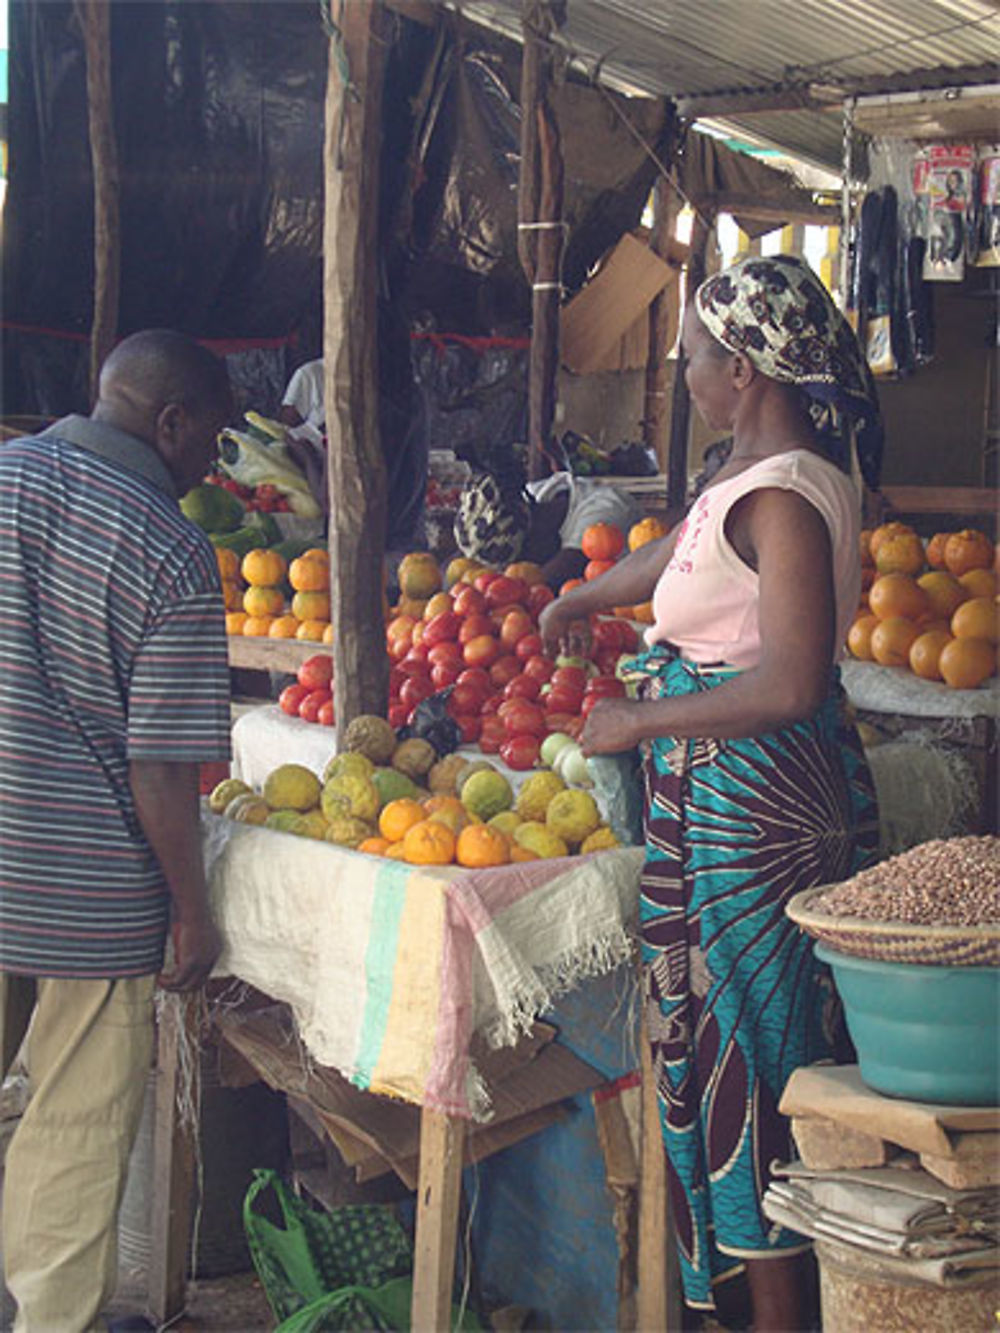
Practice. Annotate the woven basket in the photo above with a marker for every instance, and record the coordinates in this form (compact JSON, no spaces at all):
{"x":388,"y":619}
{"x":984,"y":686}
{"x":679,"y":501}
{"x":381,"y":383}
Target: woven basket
{"x":895,"y":941}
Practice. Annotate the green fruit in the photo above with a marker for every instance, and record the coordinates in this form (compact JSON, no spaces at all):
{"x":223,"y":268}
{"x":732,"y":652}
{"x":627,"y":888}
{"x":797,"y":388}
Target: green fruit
{"x":353,"y":795}
{"x":351,"y":761}
{"x":285,"y":821}
{"x":213,"y":508}
{"x":572,"y":816}
{"x":346,"y":831}
{"x":392,"y":785}
{"x":538,"y":838}
{"x":486,"y":793}
{"x":224,"y":792}
{"x":535,"y":794}
{"x":292,"y":787}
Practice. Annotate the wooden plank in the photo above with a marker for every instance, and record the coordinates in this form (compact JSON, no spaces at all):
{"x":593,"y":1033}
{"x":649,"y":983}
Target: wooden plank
{"x":655,"y":418}
{"x":546,"y":296}
{"x":260,"y":654}
{"x":438,"y":1193}
{"x":652,"y":1302}
{"x":941,"y":499}
{"x":357,"y":474}
{"x":680,"y":413}
{"x":173,"y":1170}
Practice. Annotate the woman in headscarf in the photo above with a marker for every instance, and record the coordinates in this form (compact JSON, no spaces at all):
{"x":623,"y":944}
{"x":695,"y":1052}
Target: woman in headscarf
{"x":756,"y":783}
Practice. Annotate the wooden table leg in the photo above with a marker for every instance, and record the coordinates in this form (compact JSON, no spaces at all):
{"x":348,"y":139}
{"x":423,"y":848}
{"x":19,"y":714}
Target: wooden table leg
{"x":438,"y":1190}
{"x":658,"y":1303}
{"x":173,"y":1173}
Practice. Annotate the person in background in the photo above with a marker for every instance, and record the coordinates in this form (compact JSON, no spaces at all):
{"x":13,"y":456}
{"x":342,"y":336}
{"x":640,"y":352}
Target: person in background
{"x":757,"y":785}
{"x":502,"y":518}
{"x":114,"y":688}
{"x":304,"y":403}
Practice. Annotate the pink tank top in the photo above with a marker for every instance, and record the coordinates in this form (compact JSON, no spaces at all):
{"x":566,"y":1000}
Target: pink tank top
{"x":706,"y":600}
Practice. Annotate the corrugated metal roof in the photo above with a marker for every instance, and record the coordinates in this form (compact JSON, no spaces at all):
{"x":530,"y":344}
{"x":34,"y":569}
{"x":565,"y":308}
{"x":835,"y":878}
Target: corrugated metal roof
{"x":725,"y":49}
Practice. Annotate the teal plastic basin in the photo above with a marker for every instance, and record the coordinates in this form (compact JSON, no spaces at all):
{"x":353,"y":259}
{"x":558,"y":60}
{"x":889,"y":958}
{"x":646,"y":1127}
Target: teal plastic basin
{"x":922,"y":1032}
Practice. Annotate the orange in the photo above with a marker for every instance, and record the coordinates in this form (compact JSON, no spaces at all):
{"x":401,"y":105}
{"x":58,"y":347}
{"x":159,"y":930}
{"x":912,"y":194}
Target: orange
{"x":968,"y":549}
{"x":897,"y":595}
{"x":979,"y":582}
{"x":966,"y":663}
{"x":883,"y":532}
{"x":595,"y":568}
{"x":935,"y":550}
{"x":307,"y":575}
{"x":311,"y":605}
{"x":235,"y":620}
{"x":925,"y":653}
{"x":643,"y":612}
{"x":480,"y":845}
{"x":398,"y":817}
{"x":900,"y":553}
{"x":257,"y":626}
{"x":429,"y":843}
{"x":229,"y":563}
{"x":978,"y":618}
{"x":284,"y":627}
{"x":892,"y":639}
{"x":374,"y":846}
{"x":232,"y":595}
{"x":648,"y":529}
{"x":317,"y":553}
{"x":418,"y":575}
{"x":944,"y":592}
{"x":263,"y":601}
{"x":859,"y":637}
{"x":527,"y":571}
{"x":441,"y":601}
{"x":263,"y":567}
{"x":569,"y":585}
{"x":312,"y":631}
{"x":602,"y":541}
{"x":519,"y":853}
{"x":450,"y":811}
{"x":327,"y":634}
{"x":395,"y":851}
{"x":866,"y":547}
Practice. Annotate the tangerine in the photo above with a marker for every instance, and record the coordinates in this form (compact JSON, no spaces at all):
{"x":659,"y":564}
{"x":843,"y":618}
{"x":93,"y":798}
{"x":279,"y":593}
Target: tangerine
{"x":232,"y":595}
{"x":883,"y":532}
{"x":935,"y":550}
{"x":261,"y":600}
{"x":968,"y":549}
{"x":925,"y":653}
{"x":374,"y":846}
{"x":602,"y":541}
{"x":317,"y":553}
{"x":306,"y":575}
{"x":398,"y":817}
{"x":892,"y":640}
{"x":944,"y":593}
{"x":263,"y":568}
{"x":283,"y":627}
{"x":257,"y":626}
{"x":429,"y":843}
{"x":311,"y":605}
{"x":978,"y":618}
{"x":313,"y":631}
{"x":235,"y":620}
{"x":979,"y":582}
{"x":648,"y":529}
{"x":900,"y":553}
{"x":859,"y":637}
{"x":229,"y":563}
{"x":480,"y":845}
{"x":966,"y":663}
{"x":595,"y":568}
{"x":865,"y":542}
{"x":897,"y":595}
{"x":327,"y":633}
{"x":643,"y":613}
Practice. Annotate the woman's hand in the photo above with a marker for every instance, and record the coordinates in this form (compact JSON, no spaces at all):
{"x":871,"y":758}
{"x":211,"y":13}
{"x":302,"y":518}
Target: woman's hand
{"x":564,"y":630}
{"x":612,"y":725}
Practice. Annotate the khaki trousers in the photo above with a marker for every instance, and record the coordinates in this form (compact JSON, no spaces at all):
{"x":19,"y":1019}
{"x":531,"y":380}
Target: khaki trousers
{"x":89,"y":1050}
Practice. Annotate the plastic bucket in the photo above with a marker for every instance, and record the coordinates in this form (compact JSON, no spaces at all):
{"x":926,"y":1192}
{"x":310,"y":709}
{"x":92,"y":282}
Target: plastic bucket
{"x":928,"y":1033}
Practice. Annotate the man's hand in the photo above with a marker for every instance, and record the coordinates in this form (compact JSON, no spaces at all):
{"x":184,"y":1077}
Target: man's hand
{"x":612,"y":725}
{"x":197,"y":944}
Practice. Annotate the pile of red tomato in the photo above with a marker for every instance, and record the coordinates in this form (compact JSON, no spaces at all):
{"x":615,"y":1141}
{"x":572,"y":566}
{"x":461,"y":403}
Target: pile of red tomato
{"x":311,"y":697}
{"x":481,"y":641}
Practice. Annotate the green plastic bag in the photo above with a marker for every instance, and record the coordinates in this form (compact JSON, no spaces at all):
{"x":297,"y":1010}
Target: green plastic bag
{"x":353,"y":1308}
{"x":315,"y":1254}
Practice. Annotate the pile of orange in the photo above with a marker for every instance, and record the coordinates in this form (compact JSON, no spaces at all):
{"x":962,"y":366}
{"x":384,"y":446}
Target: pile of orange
{"x":262,"y":611}
{"x":440,"y":831}
{"x":942,"y":622}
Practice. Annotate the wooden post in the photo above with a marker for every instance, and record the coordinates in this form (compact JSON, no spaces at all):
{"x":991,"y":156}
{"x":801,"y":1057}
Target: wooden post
{"x":680,"y":412}
{"x":540,"y":230}
{"x":438,"y":1189}
{"x":95,"y":21}
{"x":173,"y":1168}
{"x":666,"y":206}
{"x":659,"y":1289}
{"x":356,"y":465}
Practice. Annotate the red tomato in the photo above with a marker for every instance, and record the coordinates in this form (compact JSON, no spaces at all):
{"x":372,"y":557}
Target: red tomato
{"x":628,"y":640}
{"x":448,"y":651}
{"x":605,"y":633}
{"x":316,"y":672}
{"x":440,"y":628}
{"x":529,"y":645}
{"x":478,"y":678}
{"x":498,"y":614}
{"x":492,"y":735}
{"x":606,"y":659}
{"x":538,"y":666}
{"x":563,"y":701}
{"x":516,"y":624}
{"x":445,"y":673}
{"x":465,"y":699}
{"x":491,"y":705}
{"x":482,"y":650}
{"x":560,"y":721}
{"x":538,"y":596}
{"x":522,"y":687}
{"x":312,"y":703}
{"x":500,"y":590}
{"x":473,"y":626}
{"x":399,"y":646}
{"x":570,"y":677}
{"x":605,"y":687}
{"x":397,"y":714}
{"x":415,"y":690}
{"x":468,"y":601}
{"x":520,"y":751}
{"x":470,"y":727}
{"x":290,"y":698}
{"x":504,"y":669}
{"x":520,"y":716}
{"x":325,"y":715}
{"x":396,"y":678}
{"x":413,"y":665}
{"x":482,"y":581}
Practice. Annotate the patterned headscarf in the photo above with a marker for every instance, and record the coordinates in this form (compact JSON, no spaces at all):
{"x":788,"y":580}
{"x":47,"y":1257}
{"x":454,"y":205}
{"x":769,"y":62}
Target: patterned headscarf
{"x":492,"y":522}
{"x":780,"y":315}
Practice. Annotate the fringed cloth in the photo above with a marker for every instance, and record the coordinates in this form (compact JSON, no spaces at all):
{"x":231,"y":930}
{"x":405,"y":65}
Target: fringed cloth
{"x":735,"y":999}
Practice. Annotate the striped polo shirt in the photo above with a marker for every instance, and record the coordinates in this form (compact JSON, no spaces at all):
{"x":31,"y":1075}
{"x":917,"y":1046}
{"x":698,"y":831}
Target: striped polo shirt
{"x":112,"y":648}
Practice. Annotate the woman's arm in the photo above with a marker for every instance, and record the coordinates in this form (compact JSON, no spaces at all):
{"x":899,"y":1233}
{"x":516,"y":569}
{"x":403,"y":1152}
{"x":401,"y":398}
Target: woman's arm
{"x":790,"y":542}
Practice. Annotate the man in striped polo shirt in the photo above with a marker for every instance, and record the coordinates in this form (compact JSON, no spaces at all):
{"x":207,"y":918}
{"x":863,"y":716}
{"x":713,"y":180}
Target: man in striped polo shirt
{"x":114,"y":687}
